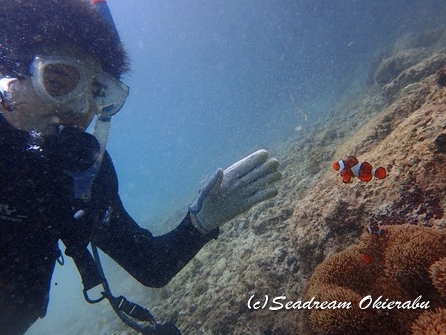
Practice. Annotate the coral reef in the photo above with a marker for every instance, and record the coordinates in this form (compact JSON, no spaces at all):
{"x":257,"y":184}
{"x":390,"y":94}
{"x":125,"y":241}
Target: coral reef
{"x":396,"y":268}
{"x":414,"y":73}
{"x":392,"y":66}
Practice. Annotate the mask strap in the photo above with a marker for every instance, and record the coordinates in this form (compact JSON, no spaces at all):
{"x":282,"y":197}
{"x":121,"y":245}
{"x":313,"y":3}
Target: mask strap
{"x":102,"y":7}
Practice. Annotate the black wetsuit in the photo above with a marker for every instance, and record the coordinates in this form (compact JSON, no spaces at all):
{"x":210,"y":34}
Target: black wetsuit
{"x":37,"y":209}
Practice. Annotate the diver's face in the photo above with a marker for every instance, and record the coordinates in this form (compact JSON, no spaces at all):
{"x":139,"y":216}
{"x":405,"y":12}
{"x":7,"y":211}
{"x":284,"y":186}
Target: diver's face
{"x":31,"y":113}
{"x":46,"y":104}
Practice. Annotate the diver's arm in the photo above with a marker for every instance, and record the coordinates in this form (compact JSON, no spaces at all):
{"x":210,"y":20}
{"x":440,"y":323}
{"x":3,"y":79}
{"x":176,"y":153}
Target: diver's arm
{"x":153,"y":261}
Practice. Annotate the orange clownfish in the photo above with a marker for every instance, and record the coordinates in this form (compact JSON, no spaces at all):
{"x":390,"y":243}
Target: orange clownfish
{"x":350,"y":167}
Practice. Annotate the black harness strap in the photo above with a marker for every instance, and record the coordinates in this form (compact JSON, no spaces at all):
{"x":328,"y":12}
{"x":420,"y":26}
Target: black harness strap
{"x":92,"y":274}
{"x":120,"y":304}
{"x":90,"y":269}
{"x":86,"y":265}
{"x":128,"y":311}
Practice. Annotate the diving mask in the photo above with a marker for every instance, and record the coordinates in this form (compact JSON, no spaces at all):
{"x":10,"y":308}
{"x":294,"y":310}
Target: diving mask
{"x":65,"y":81}
{"x":61,"y":80}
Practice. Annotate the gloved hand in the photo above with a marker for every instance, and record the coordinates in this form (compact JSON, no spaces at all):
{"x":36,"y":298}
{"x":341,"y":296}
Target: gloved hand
{"x":233,"y":191}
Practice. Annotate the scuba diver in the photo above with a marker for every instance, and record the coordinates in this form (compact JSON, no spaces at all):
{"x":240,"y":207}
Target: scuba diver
{"x":60,"y":67}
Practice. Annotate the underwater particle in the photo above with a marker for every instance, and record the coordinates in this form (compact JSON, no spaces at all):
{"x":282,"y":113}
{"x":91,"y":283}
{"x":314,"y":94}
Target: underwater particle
{"x":440,"y":143}
{"x":79,"y":214}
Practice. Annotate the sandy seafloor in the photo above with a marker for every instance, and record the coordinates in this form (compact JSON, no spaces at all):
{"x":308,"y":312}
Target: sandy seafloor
{"x":395,"y":120}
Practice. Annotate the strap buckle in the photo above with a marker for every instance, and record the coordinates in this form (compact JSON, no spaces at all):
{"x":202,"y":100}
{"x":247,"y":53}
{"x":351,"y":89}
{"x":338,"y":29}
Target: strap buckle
{"x":92,"y":301}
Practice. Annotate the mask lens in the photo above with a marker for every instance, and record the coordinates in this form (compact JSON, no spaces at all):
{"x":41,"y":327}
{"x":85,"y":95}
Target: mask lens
{"x":60,"y":79}
{"x":109,"y":94}
{"x":64,"y":80}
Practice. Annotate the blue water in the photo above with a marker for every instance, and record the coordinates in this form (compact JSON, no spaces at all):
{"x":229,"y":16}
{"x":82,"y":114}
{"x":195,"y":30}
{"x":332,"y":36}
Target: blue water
{"x":211,"y":82}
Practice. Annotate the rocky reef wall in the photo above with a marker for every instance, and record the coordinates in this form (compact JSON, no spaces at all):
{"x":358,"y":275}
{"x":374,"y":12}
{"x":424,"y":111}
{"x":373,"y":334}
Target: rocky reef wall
{"x":399,"y":122}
